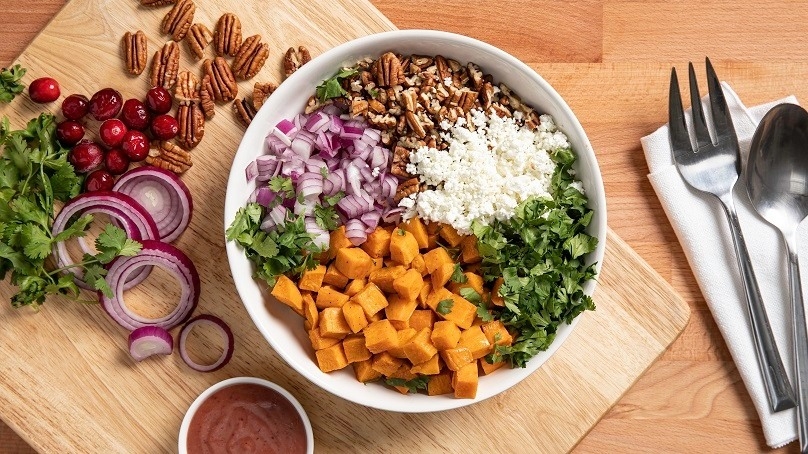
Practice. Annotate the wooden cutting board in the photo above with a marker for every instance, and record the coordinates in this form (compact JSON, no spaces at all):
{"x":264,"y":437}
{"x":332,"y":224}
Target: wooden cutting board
{"x":67,"y":383}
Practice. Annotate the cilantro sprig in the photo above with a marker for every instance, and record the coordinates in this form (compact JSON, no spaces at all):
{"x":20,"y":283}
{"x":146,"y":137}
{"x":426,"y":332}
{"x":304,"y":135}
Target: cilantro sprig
{"x":10,"y":85}
{"x":540,"y":254}
{"x":413,"y":385}
{"x":332,"y":87}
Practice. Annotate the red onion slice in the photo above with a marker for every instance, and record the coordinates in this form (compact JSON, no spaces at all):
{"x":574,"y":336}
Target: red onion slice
{"x":150,"y":340}
{"x":163,"y":195}
{"x":153,"y":253}
{"x":227,"y":338}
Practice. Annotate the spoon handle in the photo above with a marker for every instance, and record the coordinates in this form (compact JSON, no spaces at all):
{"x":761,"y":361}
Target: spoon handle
{"x":800,"y":346}
{"x":775,"y":380}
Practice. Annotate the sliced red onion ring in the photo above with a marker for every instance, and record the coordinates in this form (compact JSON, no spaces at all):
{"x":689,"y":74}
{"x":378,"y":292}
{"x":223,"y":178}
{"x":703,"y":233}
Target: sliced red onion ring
{"x":153,"y":253}
{"x":227,"y":338}
{"x":150,"y":340}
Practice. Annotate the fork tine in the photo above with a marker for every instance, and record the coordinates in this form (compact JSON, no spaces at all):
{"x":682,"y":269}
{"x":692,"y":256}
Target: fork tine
{"x":699,"y":122}
{"x":718,"y":105}
{"x":677,"y":128}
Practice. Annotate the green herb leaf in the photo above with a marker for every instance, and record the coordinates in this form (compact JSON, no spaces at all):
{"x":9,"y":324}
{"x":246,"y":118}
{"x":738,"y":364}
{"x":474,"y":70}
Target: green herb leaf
{"x":332,"y":200}
{"x":475,"y":298}
{"x":332,"y":87}
{"x":282,"y":186}
{"x":326,"y":217}
{"x":458,"y":276}
{"x":10,"y":85}
{"x":413,"y":385}
{"x":444,"y":306}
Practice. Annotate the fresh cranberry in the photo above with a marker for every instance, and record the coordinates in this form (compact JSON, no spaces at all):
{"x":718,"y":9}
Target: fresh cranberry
{"x":159,"y":100}
{"x":86,"y":156}
{"x":165,"y":127}
{"x":105,"y":104}
{"x":111,"y":132}
{"x":116,"y":161}
{"x":99,"y":180}
{"x":75,"y":107}
{"x":135,"y":115}
{"x":135,"y":146}
{"x":44,"y":89}
{"x":69,"y":132}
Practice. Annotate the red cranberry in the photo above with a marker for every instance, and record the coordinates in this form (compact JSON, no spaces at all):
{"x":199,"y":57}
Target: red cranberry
{"x":99,"y":180}
{"x":135,"y":115}
{"x":86,"y":156}
{"x":111,"y":132}
{"x":159,"y":100}
{"x":165,"y":127}
{"x":69,"y":132}
{"x":75,"y":107}
{"x":44,"y":89}
{"x":105,"y":104}
{"x":116,"y":161}
{"x":135,"y":146}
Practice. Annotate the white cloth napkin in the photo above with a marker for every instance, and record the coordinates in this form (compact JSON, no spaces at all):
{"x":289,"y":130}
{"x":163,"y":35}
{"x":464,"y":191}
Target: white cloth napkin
{"x":703,"y":231}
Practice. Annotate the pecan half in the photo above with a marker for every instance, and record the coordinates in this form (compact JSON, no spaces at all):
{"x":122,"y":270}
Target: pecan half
{"x":261,"y":92}
{"x":165,"y":64}
{"x":198,"y":38}
{"x":294,"y":59}
{"x":250,"y":57}
{"x":135,"y":51}
{"x":157,"y":2}
{"x":244,"y":110}
{"x":169,"y":156}
{"x":187,"y":90}
{"x":227,"y":35}
{"x":387,"y":70}
{"x":206,"y":98}
{"x":177,"y":22}
{"x":406,"y":188}
{"x":223,"y":85}
{"x":192,"y":125}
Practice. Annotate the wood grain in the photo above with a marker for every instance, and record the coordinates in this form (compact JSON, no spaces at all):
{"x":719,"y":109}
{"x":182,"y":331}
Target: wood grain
{"x":610,"y":60}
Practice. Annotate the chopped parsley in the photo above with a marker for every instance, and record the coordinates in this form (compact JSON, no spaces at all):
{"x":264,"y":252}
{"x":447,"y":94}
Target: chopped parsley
{"x":413,"y":385}
{"x":282,"y":186}
{"x":444,"y":306}
{"x":476,"y":299}
{"x":332,"y":87}
{"x":458,"y":276}
{"x":326,"y":217}
{"x":10,"y":85}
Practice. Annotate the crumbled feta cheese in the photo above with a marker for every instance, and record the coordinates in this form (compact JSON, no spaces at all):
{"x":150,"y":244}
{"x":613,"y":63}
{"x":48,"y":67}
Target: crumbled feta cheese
{"x":488,"y":169}
{"x":447,"y":81}
{"x":375,"y":172}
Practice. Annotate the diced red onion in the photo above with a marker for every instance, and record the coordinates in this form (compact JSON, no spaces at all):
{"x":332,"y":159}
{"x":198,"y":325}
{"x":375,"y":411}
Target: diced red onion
{"x":336,"y":122}
{"x":321,"y":237}
{"x":352,"y":176}
{"x":334,"y":182}
{"x":317,"y":122}
{"x":264,"y":196}
{"x":378,"y":157}
{"x":371,"y":136}
{"x":150,"y":340}
{"x":251,"y":171}
{"x":371,"y":220}
{"x":303,"y":144}
{"x":392,"y":214}
{"x":153,"y":253}
{"x":227,"y":338}
{"x":310,"y":184}
{"x":355,"y":231}
{"x":276,"y":216}
{"x":285,"y":126}
{"x":305,"y":207}
{"x":331,"y":109}
{"x":351,"y":132}
{"x":388,"y":186}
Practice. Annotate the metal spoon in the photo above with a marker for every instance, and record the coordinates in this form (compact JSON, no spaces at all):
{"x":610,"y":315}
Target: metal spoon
{"x":777,"y":182}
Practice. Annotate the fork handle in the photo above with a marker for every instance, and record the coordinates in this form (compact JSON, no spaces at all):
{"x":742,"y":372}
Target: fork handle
{"x":778,"y":389}
{"x":800,"y":343}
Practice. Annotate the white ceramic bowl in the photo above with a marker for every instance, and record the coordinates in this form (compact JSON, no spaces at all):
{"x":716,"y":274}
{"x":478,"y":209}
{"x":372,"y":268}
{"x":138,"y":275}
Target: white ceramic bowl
{"x":279,"y":325}
{"x":189,"y":415}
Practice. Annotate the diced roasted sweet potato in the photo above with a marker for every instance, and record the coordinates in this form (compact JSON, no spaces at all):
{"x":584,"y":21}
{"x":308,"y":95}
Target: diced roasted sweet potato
{"x":442,"y":274}
{"x":354,"y":263}
{"x":385,"y":277}
{"x":474,"y":339}
{"x":473,"y":281}
{"x":386,"y":364}
{"x":319,"y":342}
{"x":440,"y":384}
{"x":380,"y":336}
{"x":355,"y":286}
{"x":424,"y":294}
{"x":428,"y":367}
{"x":378,"y":243}
{"x":354,"y":348}
{"x":371,"y":299}
{"x":354,"y":316}
{"x":465,"y":381}
{"x":331,"y":358}
{"x":468,"y":250}
{"x":330,"y":297}
{"x":334,"y":277}
{"x":432,"y":228}
{"x":436,"y":296}
{"x":461,"y":312}
{"x":310,"y":310}
{"x":409,"y":285}
{"x":422,"y":318}
{"x":487,"y":367}
{"x":364,"y":371}
{"x":496,"y":333}
{"x":435,"y":258}
{"x":403,"y":247}
{"x":455,"y":358}
{"x":445,"y":335}
{"x":287,"y":293}
{"x":312,"y":279}
{"x":496,"y":299}
{"x":448,"y":233}
{"x":418,"y":264}
{"x":338,"y":240}
{"x":333,"y":324}
{"x":418,"y":230}
{"x":399,"y":309}
{"x":404,"y":336}
{"x":420,"y":348}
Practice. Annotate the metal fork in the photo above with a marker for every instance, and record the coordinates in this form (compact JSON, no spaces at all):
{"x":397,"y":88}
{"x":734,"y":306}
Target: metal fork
{"x":714,"y":168}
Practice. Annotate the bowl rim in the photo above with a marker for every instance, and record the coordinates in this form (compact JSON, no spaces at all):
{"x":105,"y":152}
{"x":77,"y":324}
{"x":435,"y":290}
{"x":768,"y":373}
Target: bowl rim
{"x":573,"y":128}
{"x":182,"y":440}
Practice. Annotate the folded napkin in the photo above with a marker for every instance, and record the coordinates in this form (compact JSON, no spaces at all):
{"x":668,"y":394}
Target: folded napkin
{"x":703,"y":231}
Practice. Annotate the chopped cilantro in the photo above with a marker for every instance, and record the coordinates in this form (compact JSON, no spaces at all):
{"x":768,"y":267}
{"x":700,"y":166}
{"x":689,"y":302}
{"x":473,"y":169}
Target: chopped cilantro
{"x":458,"y":276}
{"x":10,"y":85}
{"x":324,"y":172}
{"x":444,"y":306}
{"x":326,"y":217}
{"x":474,"y":298}
{"x":332,"y":200}
{"x":282,"y":186}
{"x":413,"y":385}
{"x":401,"y":232}
{"x":332,"y":87}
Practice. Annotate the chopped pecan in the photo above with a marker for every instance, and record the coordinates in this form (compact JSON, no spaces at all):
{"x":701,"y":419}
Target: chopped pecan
{"x":415,"y":124}
{"x":169,"y":156}
{"x":206,"y":98}
{"x":406,"y":188}
{"x":250,"y":57}
{"x":376,"y":106}
{"x":500,"y":110}
{"x":383,"y":122}
{"x":294,"y":59}
{"x":227,"y":35}
{"x":442,"y":68}
{"x":223,"y":85}
{"x":359,"y":107}
{"x":191,"y":125}
{"x":135,"y":51}
{"x":244,"y":110}
{"x":261,"y":92}
{"x":409,"y":99}
{"x":422,"y":62}
{"x":467,"y":99}
{"x":486,"y":96}
{"x":476,"y":75}
{"x":177,"y":22}
{"x":165,"y":64}
{"x":401,"y":157}
{"x":198,"y":38}
{"x":387,"y":70}
{"x":187,"y":90}
{"x":157,"y":2}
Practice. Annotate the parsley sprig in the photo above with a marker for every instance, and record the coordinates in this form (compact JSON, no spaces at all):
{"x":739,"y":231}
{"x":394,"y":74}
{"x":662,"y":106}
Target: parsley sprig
{"x":540,"y":253}
{"x":412,"y":385}
{"x":10,"y":85}
{"x":332,"y":87}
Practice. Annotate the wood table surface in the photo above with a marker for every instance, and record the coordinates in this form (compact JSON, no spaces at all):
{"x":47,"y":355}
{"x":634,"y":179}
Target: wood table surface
{"x":617,"y":56}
